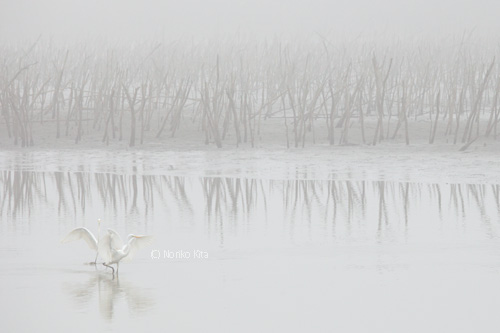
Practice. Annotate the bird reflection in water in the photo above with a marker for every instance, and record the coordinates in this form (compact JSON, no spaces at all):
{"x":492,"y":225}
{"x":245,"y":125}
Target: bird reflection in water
{"x":111,"y":292}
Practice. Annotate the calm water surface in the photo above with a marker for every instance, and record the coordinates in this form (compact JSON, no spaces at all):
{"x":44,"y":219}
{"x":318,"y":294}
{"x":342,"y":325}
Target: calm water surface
{"x":285,"y":254}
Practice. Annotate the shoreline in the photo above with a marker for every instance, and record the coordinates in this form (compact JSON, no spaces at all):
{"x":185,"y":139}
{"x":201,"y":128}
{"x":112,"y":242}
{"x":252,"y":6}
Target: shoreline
{"x":385,"y":162}
{"x":271,"y":136}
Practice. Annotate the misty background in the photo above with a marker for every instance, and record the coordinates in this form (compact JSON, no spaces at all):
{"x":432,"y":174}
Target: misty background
{"x":170,"y":19}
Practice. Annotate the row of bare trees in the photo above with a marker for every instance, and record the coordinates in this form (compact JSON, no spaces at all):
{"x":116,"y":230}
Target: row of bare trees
{"x":229,"y":91}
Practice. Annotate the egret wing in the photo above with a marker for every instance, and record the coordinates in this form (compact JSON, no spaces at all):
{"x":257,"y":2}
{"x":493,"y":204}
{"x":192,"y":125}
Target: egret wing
{"x":136,"y":243}
{"x":116,"y":240}
{"x":110,"y":243}
{"x":105,"y":249}
{"x":81,"y":233}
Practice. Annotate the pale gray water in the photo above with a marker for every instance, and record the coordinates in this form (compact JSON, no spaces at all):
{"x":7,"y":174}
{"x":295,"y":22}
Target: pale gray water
{"x":283,"y":254}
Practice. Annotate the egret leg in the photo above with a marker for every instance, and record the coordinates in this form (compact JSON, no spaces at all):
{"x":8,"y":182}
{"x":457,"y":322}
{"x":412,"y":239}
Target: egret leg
{"x":109,"y":267}
{"x":117,"y":267}
{"x":95,"y":261}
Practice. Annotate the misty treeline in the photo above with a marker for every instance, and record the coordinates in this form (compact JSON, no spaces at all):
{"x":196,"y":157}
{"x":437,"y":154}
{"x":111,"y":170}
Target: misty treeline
{"x":228,"y":91}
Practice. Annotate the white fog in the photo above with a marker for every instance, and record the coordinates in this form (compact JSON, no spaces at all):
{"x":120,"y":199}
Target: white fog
{"x":249,"y":166}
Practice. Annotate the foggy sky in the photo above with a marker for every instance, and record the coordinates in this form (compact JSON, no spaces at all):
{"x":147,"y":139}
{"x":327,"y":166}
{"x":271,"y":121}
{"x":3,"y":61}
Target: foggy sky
{"x":153,"y":19}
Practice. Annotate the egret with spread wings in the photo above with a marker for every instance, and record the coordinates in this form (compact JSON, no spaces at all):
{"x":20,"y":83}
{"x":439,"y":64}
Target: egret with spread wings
{"x":87,"y":236}
{"x":113,"y":250}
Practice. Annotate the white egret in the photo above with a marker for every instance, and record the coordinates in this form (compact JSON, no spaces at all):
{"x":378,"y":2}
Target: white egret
{"x":113,"y":250}
{"x":87,"y":236}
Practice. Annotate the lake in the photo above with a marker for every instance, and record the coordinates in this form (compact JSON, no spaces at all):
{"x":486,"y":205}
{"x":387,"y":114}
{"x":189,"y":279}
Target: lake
{"x":246,"y":250}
